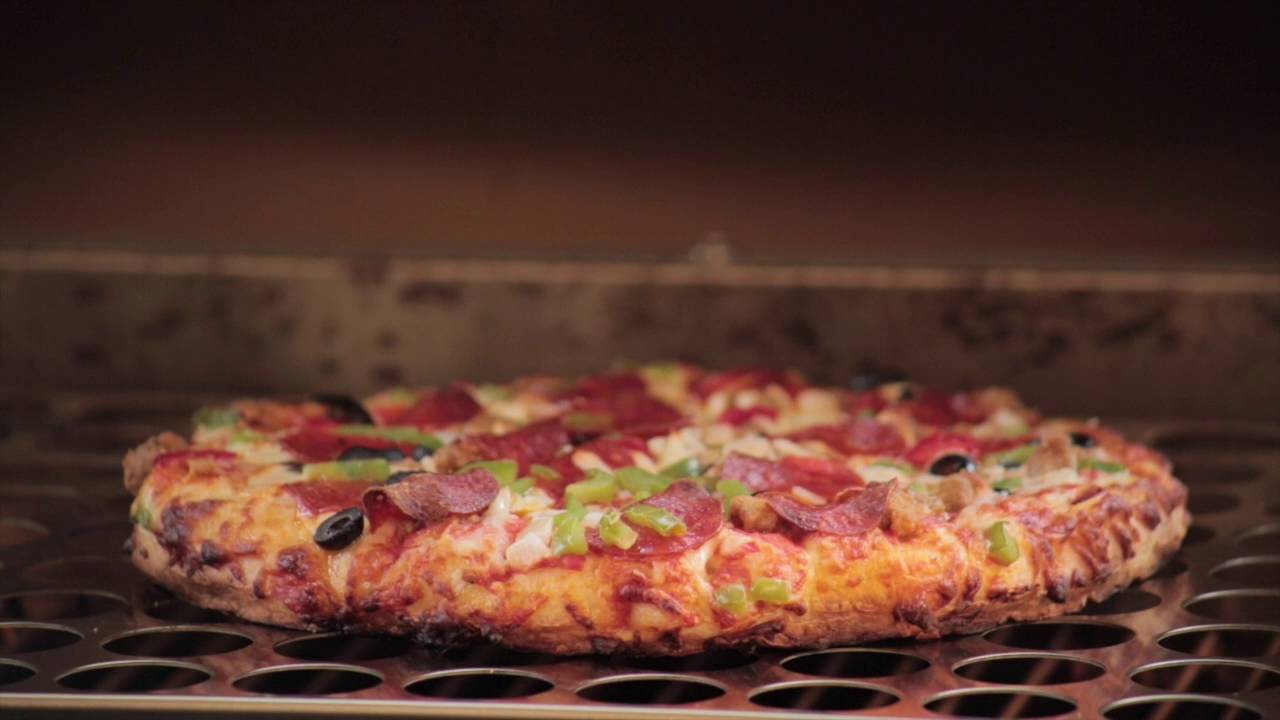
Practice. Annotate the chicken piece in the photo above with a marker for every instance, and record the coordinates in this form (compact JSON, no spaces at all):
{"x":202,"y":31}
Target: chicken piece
{"x":906,"y":511}
{"x":956,"y":491}
{"x":753,"y":514}
{"x":1055,"y":453}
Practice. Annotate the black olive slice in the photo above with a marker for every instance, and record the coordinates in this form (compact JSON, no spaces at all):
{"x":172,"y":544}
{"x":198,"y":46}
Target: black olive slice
{"x":345,"y":409}
{"x":400,"y":475}
{"x":340,"y":529}
{"x":1084,"y":440}
{"x":951,"y":464}
{"x":422,"y":451}
{"x":873,"y":379}
{"x":360,"y":452}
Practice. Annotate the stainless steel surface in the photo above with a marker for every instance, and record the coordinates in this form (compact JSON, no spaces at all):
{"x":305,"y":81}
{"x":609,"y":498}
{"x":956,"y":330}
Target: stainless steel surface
{"x":80,"y":630}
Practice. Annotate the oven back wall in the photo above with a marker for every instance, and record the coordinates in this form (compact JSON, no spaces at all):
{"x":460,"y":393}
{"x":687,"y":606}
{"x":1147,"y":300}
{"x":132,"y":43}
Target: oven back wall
{"x":1112,"y":344}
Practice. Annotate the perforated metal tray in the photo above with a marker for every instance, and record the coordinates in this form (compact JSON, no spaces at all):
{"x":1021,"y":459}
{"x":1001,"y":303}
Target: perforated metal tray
{"x":81,"y":631}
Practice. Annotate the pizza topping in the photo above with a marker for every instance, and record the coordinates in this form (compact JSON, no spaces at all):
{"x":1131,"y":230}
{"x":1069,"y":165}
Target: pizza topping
{"x":1014,"y":457}
{"x":641,"y":483}
{"x":683,"y":505}
{"x":818,"y":475}
{"x":1007,"y":485}
{"x":853,"y":513}
{"x":599,"y":487}
{"x":538,"y":443}
{"x":934,"y":447}
{"x":686,"y":468}
{"x":1102,"y":465}
{"x":1002,"y":546}
{"x":955,"y":491}
{"x":340,"y":529}
{"x":1083,"y":440}
{"x":951,"y":464}
{"x":504,"y":471}
{"x":401,"y":436}
{"x":213,"y":418}
{"x":732,"y":597}
{"x":373,"y":470}
{"x":616,"y":533}
{"x":344,"y":408}
{"x":437,"y":408}
{"x":771,"y":590}
{"x":322,"y":496}
{"x":568,"y":534}
{"x":747,"y":379}
{"x":360,"y":452}
{"x":430,"y":497}
{"x":1055,"y":453}
{"x":738,"y":417}
{"x":859,"y":437}
{"x":729,"y":489}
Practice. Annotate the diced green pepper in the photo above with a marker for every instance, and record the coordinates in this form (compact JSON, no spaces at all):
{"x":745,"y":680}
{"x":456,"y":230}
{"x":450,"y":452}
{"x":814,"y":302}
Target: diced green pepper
{"x":732,"y":598}
{"x":1015,"y":456}
{"x":638,"y":480}
{"x":1007,"y":485}
{"x":686,"y":468}
{"x":1101,"y":465}
{"x":375,"y":469}
{"x":599,"y":487}
{"x":730,"y":489}
{"x":895,"y":465}
{"x":615,"y":532}
{"x":490,"y":392}
{"x":568,"y":535}
{"x":656,"y":519}
{"x":1002,"y":546}
{"x":401,"y":396}
{"x":400,"y":435}
{"x":248,"y":437}
{"x":212,"y":418}
{"x":140,"y":514}
{"x":545,"y":472}
{"x":770,"y":590}
{"x":504,"y":471}
{"x":918,"y":487}
{"x":660,"y":371}
{"x":574,"y":508}
{"x":522,"y":486}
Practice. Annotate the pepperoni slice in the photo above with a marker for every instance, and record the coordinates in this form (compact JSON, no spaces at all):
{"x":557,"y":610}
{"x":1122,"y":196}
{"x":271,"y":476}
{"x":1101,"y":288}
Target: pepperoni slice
{"x":596,"y":386}
{"x":616,"y":452}
{"x":538,"y":443}
{"x":182,"y":459}
{"x":630,"y":411}
{"x":741,"y":416}
{"x":853,"y":513}
{"x":436,"y":409}
{"x":935,"y":446}
{"x":429,"y":497}
{"x":824,"y":477}
{"x":322,"y":496}
{"x":747,"y":379}
{"x":867,"y":404}
{"x":702,"y":513}
{"x":859,"y":437}
{"x":319,"y":443}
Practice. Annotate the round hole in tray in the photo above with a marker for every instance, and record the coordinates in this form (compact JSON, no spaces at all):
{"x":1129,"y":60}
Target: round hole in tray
{"x":176,"y":642}
{"x":1059,"y":635}
{"x":86,"y":570}
{"x":480,"y":684}
{"x":12,"y":671}
{"x":999,"y":704}
{"x":1198,"y":535}
{"x":1029,"y":669}
{"x":128,"y":676}
{"x":1179,"y":707}
{"x":25,"y":637}
{"x":1262,"y":539}
{"x":20,"y":531}
{"x":823,"y":695}
{"x":650,"y":690}
{"x":1259,"y":570}
{"x":1212,"y":473}
{"x":162,"y":605}
{"x":58,"y":604}
{"x":1125,"y":601}
{"x":1223,"y":640}
{"x":1237,"y":605}
{"x":721,"y":659}
{"x":854,"y":663}
{"x":1215,"y":676}
{"x":337,"y":647}
{"x":1226,"y":441}
{"x":497,"y":656}
{"x":1211,"y":503}
{"x":314,"y":679}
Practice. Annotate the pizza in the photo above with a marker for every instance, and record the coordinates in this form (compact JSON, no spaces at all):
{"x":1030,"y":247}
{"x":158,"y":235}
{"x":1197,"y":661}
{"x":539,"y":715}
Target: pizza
{"x":662,"y":509}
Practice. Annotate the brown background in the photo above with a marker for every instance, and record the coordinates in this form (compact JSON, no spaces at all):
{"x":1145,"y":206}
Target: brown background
{"x":1094,"y":134}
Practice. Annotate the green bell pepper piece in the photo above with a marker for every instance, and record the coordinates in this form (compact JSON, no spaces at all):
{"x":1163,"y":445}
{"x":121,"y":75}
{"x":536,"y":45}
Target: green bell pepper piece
{"x":1002,"y":546}
{"x":656,"y":519}
{"x":770,"y":590}
{"x":615,"y":532}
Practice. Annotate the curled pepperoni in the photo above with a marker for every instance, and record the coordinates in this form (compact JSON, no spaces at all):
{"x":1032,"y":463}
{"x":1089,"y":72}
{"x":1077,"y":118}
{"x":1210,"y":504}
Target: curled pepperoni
{"x":702,"y":513}
{"x":747,"y":379}
{"x":435,"y":409}
{"x":429,"y":497}
{"x":824,"y":477}
{"x":859,"y":437}
{"x":322,"y":496}
{"x":738,"y":417}
{"x":538,"y":443}
{"x":935,"y":446}
{"x":853,"y":513}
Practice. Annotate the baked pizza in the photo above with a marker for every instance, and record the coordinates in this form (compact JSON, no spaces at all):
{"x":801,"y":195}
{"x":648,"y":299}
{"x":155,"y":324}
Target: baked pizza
{"x":664,"y":509}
